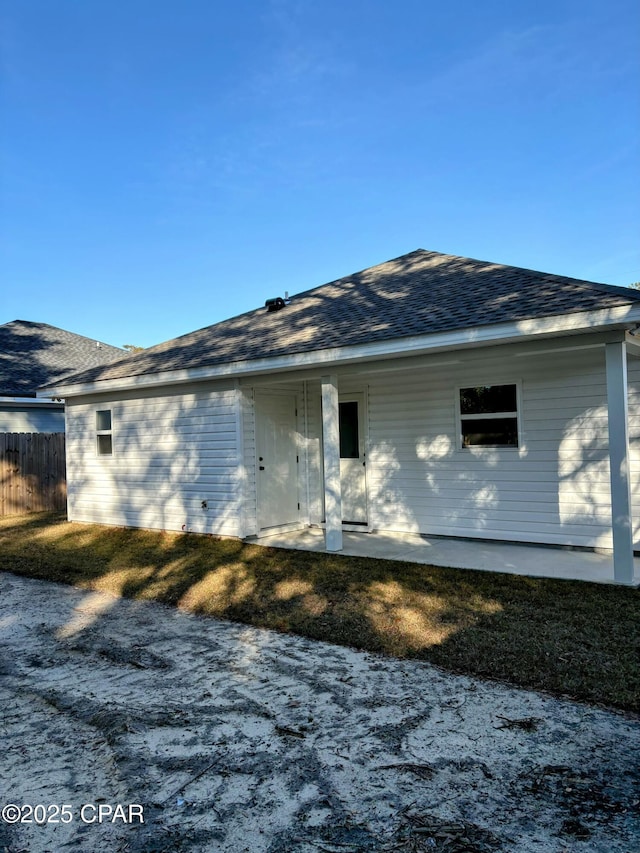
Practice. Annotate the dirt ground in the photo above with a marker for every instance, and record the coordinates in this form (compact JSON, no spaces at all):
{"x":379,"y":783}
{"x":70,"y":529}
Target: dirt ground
{"x":236,"y":739}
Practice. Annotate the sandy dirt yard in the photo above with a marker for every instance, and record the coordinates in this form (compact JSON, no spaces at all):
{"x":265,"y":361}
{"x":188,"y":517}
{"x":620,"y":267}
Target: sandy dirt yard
{"x":235,"y":739}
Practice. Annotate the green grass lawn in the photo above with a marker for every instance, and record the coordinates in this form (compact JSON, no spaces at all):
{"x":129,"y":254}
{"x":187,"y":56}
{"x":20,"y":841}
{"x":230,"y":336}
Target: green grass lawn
{"x":567,"y":637}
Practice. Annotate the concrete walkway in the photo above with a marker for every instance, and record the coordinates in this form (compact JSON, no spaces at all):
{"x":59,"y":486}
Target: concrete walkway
{"x":536,"y":561}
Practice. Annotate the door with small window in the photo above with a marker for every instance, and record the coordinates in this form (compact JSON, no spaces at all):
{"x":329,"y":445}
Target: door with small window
{"x":353,"y":469}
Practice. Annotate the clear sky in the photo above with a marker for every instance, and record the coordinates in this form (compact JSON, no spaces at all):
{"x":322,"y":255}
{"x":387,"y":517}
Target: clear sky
{"x":167,"y":164}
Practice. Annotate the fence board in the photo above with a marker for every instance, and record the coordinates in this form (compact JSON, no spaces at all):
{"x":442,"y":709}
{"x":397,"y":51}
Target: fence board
{"x":32,"y":472}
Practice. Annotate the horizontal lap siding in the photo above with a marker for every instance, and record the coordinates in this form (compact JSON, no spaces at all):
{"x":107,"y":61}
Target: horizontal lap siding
{"x":170,"y":453}
{"x":174,"y":451}
{"x":554,"y":488}
{"x":633,"y":369}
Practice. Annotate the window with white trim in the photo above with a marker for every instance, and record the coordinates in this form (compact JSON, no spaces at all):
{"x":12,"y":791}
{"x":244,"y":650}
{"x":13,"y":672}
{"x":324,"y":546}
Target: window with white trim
{"x":488,"y":416}
{"x":104,"y":434}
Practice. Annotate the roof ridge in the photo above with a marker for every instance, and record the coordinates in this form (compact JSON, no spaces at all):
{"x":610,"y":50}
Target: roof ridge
{"x":421,"y":292}
{"x":260,"y":308}
{"x":359,"y":272}
{"x":39,"y":324}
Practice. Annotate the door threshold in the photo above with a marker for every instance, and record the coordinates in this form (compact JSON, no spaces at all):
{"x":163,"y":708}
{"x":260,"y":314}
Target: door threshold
{"x":280,"y":528}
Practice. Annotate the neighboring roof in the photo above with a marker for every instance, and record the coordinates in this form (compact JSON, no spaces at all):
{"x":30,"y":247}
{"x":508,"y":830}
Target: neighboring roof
{"x":36,"y":354}
{"x":416,"y":294}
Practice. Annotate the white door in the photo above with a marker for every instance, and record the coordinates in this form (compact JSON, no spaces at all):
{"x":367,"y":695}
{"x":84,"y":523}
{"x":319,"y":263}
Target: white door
{"x":353,"y":471}
{"x":277,"y":468}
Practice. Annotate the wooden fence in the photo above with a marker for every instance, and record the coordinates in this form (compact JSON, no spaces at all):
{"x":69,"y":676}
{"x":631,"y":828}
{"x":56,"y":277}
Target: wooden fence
{"x":32,"y":472}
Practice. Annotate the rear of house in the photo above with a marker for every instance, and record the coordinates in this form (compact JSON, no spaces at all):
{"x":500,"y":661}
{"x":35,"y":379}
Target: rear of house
{"x":397,"y":407}
{"x":403,"y":466}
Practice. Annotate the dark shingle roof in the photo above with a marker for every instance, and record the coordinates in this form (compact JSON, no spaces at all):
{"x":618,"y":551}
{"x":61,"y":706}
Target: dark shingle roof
{"x":419,"y":293}
{"x":36,"y":354}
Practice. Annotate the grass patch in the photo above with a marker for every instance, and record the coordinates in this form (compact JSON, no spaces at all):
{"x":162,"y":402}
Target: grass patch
{"x":567,"y":637}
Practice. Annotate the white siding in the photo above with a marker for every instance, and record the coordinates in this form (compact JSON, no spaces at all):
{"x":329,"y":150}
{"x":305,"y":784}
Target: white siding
{"x":633,"y":376}
{"x":31,"y":419}
{"x":554,"y":488}
{"x":174,"y":450}
{"x":171,"y":452}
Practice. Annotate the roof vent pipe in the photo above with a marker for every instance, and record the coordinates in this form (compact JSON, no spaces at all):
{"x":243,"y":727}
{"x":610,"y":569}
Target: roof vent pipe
{"x":275,"y":304}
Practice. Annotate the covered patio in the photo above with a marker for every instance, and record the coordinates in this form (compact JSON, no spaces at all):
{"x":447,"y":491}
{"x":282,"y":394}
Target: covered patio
{"x":532,"y":560}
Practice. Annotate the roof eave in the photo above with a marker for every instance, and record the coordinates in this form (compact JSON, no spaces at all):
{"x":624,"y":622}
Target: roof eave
{"x":619,"y":317}
{"x":42,"y":402}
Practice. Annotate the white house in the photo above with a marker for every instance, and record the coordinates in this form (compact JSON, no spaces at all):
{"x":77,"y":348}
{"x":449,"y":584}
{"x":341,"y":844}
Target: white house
{"x":432,"y":394}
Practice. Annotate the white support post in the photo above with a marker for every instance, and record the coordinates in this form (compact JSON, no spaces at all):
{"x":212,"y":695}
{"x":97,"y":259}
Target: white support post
{"x":331,"y":460}
{"x":621,"y":512}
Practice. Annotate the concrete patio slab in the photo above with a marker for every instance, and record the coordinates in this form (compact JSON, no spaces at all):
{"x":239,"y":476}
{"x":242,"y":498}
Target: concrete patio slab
{"x":532,"y":560}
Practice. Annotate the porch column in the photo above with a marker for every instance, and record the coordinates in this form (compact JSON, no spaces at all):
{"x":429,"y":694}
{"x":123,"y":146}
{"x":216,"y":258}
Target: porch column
{"x":331,"y":461}
{"x":621,"y":512}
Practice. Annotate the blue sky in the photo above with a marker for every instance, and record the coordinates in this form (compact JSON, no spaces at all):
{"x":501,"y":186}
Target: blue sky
{"x":167,"y":164}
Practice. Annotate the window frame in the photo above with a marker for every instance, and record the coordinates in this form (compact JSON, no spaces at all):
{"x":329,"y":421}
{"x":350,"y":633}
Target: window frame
{"x":101,"y":432}
{"x":358,"y":437}
{"x":489,"y":416}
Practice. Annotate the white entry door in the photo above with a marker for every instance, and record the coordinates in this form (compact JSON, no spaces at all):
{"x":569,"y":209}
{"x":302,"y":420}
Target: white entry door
{"x":277,"y":463}
{"x":353,"y":471}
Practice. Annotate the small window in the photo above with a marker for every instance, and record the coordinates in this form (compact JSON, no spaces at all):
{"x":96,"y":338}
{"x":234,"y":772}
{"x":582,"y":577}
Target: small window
{"x":104,"y":434}
{"x":349,"y":437}
{"x":489,"y":416}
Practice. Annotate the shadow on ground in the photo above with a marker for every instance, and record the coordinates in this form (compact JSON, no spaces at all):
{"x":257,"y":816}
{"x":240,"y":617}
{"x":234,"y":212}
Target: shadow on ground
{"x":570,"y":638}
